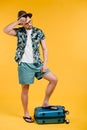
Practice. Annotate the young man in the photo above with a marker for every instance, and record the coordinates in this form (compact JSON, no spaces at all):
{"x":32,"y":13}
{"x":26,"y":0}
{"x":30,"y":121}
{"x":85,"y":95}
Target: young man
{"x":28,"y":58}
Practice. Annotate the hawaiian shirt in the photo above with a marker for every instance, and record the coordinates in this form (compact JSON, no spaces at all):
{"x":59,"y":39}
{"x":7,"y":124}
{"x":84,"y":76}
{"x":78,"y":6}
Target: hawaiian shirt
{"x":36,"y":36}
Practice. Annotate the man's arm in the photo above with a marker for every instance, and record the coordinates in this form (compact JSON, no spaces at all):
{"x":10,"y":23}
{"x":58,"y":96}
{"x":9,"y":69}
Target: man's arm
{"x":9,"y":29}
{"x":45,"y":55}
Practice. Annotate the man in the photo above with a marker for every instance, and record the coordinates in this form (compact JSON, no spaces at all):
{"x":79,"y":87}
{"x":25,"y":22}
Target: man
{"x":28,"y":58}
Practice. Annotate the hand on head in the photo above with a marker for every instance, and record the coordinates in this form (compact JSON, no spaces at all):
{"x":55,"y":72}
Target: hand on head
{"x":22,"y":20}
{"x":22,"y":17}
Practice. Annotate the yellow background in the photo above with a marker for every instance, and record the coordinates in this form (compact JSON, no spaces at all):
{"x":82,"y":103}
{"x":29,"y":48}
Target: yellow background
{"x":64,"y":23}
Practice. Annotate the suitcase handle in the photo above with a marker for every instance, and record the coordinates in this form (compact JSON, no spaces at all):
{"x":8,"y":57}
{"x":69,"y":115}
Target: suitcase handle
{"x":43,"y":114}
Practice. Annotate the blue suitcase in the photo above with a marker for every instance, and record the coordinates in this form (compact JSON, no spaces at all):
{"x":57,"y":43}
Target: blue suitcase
{"x":50,"y":116}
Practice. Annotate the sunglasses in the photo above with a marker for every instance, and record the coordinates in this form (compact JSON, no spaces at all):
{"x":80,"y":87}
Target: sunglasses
{"x":29,"y":22}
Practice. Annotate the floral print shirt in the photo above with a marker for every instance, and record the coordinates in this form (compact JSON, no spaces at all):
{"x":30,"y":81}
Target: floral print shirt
{"x":36,"y":36}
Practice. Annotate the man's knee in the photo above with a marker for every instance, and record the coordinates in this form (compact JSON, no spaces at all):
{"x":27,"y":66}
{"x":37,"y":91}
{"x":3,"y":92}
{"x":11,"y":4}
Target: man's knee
{"x":54,"y":80}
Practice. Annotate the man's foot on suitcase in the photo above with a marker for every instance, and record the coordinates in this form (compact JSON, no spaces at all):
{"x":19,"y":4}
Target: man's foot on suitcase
{"x":28,"y":119}
{"x":50,"y":107}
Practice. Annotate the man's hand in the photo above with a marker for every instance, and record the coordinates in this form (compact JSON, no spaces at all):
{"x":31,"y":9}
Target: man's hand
{"x":22,"y":20}
{"x":44,"y":68}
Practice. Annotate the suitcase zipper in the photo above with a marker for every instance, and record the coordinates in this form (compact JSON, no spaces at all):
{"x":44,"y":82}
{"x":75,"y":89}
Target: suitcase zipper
{"x":49,"y":117}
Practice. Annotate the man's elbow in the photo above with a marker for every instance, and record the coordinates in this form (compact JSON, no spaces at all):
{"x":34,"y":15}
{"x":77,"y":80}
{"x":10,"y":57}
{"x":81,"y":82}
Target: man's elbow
{"x":5,"y":31}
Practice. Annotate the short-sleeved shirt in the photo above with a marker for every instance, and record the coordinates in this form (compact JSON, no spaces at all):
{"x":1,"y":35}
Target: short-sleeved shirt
{"x":36,"y":36}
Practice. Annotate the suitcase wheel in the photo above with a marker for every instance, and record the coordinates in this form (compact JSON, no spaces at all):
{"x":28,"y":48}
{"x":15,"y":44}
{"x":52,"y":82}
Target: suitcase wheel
{"x":67,"y":121}
{"x":66,"y":112}
{"x":63,"y":107}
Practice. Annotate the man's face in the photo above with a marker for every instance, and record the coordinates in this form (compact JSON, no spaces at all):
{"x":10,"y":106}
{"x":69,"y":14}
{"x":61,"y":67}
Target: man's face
{"x":28,"y":23}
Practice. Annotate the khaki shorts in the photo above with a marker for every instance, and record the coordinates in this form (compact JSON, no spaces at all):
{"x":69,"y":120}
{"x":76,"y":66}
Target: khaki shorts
{"x":28,"y":71}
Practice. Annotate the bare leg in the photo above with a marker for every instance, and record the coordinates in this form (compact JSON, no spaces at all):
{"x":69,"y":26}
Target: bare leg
{"x":24,"y":99}
{"x":51,"y":86}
